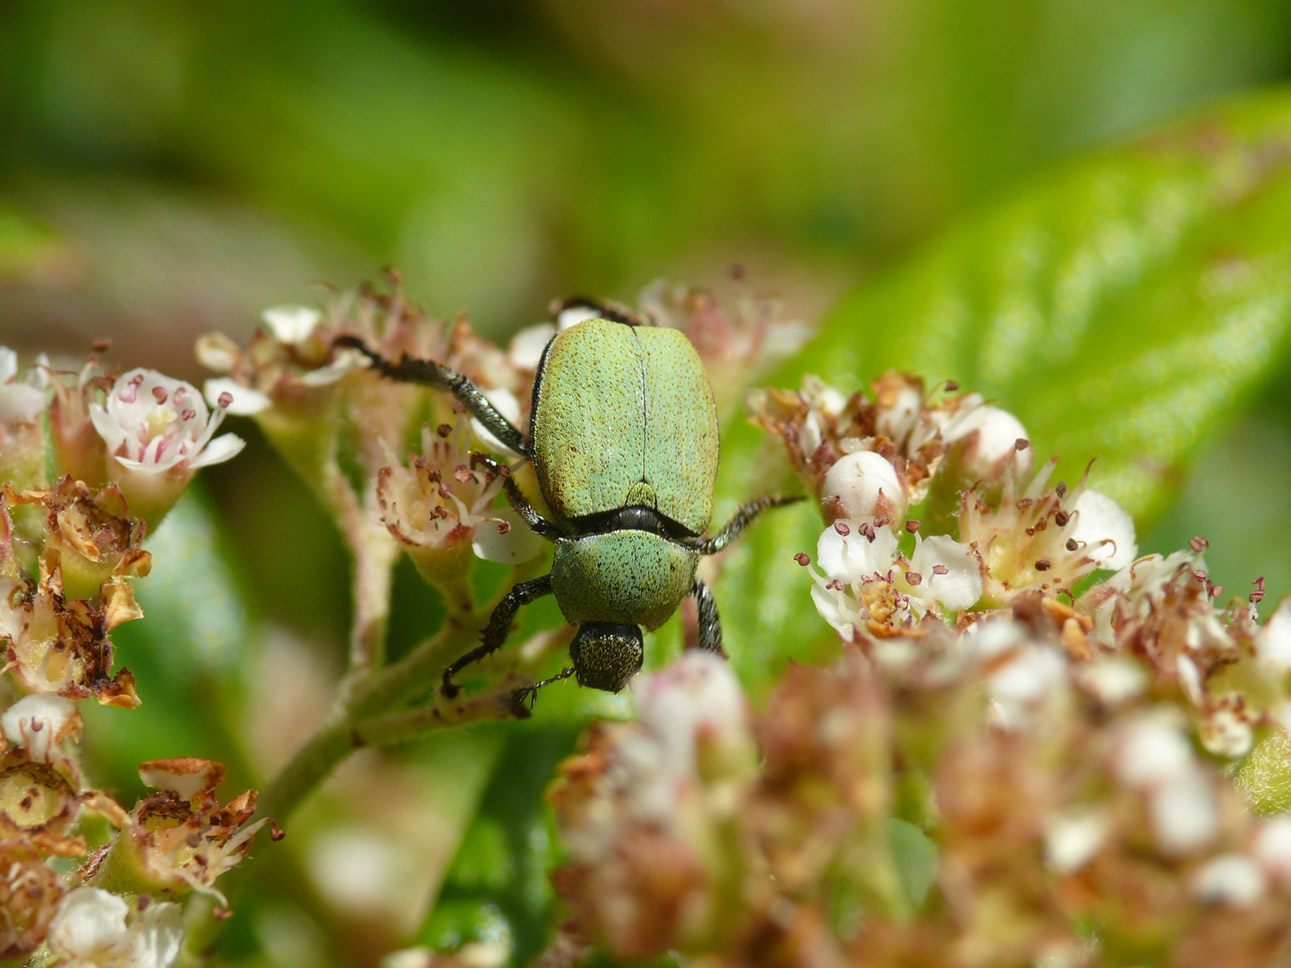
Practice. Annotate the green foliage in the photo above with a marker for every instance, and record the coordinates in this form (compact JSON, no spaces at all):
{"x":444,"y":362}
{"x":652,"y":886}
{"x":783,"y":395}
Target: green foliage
{"x":497,"y":889}
{"x":1124,"y":307}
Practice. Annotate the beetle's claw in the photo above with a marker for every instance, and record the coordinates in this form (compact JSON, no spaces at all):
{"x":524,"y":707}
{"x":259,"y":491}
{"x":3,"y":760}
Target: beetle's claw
{"x":519,"y":708}
{"x":449,"y":689}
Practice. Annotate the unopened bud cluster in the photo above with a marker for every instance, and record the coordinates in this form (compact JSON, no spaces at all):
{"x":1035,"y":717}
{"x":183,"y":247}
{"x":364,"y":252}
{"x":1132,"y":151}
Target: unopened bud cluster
{"x":1036,"y":748}
{"x":90,"y":462}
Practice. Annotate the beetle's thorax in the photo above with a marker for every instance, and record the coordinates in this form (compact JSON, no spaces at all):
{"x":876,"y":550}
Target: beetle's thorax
{"x":626,"y":576}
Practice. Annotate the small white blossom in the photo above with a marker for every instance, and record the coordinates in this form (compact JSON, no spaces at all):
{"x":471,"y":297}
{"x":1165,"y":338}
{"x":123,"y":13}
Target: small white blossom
{"x":1027,"y":679}
{"x":291,"y":324}
{"x":1273,"y":641}
{"x":95,"y":929}
{"x":862,"y":486}
{"x":152,"y":424}
{"x":866,"y":578}
{"x":1272,"y":848}
{"x":695,"y":697}
{"x":295,"y":326}
{"x":988,"y":439}
{"x":1111,"y":680}
{"x":1232,"y":879}
{"x":527,"y":346}
{"x":505,"y":403}
{"x":40,"y":722}
{"x":1153,"y":751}
{"x":1070,"y":842}
{"x":20,"y":401}
{"x":1184,"y":812}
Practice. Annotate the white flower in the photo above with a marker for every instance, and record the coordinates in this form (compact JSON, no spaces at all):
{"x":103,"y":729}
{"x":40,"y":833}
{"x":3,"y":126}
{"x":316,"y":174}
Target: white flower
{"x":505,"y":403}
{"x":989,"y":441}
{"x":291,"y":324}
{"x":866,"y":578}
{"x":1070,"y":842}
{"x":40,"y":722}
{"x":696,"y":696}
{"x":1273,"y":641}
{"x":1185,"y":813}
{"x":1153,"y":751}
{"x":153,"y":424}
{"x":1105,"y":529}
{"x":20,"y":402}
{"x":1232,"y":879}
{"x":95,"y":929}
{"x":1112,"y":680}
{"x":1272,"y":848}
{"x":862,"y":486}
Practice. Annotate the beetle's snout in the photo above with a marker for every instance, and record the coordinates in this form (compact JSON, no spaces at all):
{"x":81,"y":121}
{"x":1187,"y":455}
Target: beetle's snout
{"x":605,"y":655}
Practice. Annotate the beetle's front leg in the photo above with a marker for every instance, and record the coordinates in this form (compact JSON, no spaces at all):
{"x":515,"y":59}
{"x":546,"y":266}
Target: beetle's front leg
{"x":528,"y":694}
{"x":499,"y":627}
{"x":740,"y":520}
{"x":710,"y":626}
{"x":540,"y":525}
{"x":410,"y":369}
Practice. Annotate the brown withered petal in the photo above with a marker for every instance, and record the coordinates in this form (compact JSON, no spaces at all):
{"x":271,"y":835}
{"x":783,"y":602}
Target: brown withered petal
{"x":29,"y":896}
{"x":188,"y":777}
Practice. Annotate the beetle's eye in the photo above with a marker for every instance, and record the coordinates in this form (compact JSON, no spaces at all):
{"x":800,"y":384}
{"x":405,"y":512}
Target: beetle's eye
{"x":606,"y":656}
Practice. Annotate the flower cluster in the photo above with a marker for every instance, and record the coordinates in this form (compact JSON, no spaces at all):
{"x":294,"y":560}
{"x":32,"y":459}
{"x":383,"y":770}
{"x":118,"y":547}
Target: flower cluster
{"x":1035,"y":749}
{"x":881,"y":812}
{"x":932,"y":506}
{"x":91,"y":461}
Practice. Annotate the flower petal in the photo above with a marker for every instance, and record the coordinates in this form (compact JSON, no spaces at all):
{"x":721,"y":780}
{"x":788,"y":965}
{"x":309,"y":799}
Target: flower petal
{"x":291,"y":324}
{"x":1106,"y":530}
{"x":245,"y":401}
{"x":960,"y":586}
{"x":220,"y":449}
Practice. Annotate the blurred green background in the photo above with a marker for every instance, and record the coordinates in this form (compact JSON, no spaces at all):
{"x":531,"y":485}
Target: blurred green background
{"x":172,"y":167}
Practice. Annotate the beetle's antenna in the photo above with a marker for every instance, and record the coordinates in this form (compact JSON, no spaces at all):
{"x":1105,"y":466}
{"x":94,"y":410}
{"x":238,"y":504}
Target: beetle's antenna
{"x":739,"y":521}
{"x":530,"y":693}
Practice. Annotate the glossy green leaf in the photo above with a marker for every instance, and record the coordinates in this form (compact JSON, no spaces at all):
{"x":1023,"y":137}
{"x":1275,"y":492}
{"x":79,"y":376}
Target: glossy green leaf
{"x":498,"y":889}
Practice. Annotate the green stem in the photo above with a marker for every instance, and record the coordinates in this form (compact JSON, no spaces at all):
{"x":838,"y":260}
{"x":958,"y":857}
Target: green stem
{"x":332,"y":742}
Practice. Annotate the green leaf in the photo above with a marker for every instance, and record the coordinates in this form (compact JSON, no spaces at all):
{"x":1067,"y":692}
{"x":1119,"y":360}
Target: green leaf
{"x":916,"y":860}
{"x":497,"y":889}
{"x":1123,"y":307}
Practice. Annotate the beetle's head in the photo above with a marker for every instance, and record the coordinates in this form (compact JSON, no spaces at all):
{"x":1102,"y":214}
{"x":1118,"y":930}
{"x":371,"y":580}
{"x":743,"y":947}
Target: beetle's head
{"x":606,"y":656}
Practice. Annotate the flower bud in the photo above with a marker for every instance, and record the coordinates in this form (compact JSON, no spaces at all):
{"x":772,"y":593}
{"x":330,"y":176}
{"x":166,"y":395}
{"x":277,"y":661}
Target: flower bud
{"x":863,"y":486}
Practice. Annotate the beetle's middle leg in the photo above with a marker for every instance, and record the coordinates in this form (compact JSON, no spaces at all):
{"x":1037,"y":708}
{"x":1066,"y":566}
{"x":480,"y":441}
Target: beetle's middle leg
{"x":499,"y":627}
{"x":710,"y":626}
{"x":740,"y":520}
{"x":540,"y":525}
{"x":410,"y":369}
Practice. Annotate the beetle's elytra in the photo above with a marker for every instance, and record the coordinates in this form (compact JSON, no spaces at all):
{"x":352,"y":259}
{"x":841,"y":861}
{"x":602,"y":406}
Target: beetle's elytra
{"x":623,"y":437}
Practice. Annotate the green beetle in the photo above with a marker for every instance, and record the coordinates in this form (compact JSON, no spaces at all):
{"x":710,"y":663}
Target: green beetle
{"x":623,"y":437}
